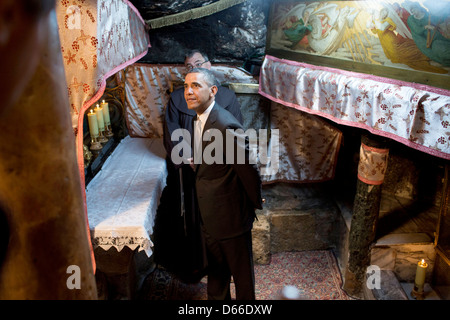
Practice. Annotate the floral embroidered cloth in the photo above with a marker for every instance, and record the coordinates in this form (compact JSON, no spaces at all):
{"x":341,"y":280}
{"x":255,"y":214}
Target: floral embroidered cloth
{"x":147,"y":88}
{"x":372,"y":164}
{"x":415,"y":115}
{"x":123,"y":197}
{"x":98,"y":38}
{"x":308,"y":146}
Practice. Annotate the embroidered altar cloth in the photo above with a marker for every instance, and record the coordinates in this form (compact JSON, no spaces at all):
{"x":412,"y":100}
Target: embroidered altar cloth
{"x":123,"y":197}
{"x":415,"y":115}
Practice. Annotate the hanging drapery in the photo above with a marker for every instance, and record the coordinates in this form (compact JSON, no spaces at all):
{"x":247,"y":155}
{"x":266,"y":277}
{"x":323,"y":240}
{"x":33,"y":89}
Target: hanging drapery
{"x":98,"y":38}
{"x":412,"y":114}
{"x":147,"y":89}
{"x":308,"y":146}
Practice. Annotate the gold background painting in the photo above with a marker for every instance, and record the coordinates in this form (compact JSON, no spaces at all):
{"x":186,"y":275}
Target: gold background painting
{"x":405,"y":40}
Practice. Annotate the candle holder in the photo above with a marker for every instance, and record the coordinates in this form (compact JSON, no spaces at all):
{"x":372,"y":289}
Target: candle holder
{"x":108,"y":131}
{"x":95,"y":144}
{"x":87,"y":155}
{"x":417,"y":293}
{"x":101,"y":137}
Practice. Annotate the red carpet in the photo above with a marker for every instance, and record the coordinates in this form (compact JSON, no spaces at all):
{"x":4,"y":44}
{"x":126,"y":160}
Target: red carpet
{"x":314,"y":273}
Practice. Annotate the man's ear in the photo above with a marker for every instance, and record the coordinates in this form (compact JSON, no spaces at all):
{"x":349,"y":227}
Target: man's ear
{"x":9,"y":12}
{"x":214,"y":89}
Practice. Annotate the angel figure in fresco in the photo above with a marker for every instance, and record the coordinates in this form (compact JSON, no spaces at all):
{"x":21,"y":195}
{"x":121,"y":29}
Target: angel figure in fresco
{"x":296,"y":29}
{"x":402,"y":13}
{"x":317,"y":26}
{"x":294,"y":26}
{"x":430,"y":31}
{"x":396,"y":42}
{"x":328,"y":23}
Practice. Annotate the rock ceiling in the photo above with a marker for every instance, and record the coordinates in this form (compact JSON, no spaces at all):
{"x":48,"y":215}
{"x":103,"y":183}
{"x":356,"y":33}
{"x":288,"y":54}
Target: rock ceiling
{"x":236,"y":34}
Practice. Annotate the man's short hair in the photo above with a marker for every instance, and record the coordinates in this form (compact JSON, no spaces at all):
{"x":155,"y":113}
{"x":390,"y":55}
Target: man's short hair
{"x":210,"y":78}
{"x":191,"y":53}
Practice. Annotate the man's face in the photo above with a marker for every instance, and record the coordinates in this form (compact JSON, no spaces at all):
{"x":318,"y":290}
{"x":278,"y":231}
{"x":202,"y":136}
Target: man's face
{"x":197,"y":61}
{"x":197,"y":93}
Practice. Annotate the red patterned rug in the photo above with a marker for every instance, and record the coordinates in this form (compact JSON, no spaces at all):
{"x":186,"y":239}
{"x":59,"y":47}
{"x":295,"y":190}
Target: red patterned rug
{"x":314,"y":273}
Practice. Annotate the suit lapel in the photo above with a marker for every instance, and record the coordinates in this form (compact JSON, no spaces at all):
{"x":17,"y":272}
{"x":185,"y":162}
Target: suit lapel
{"x":211,"y":119}
{"x":193,"y":139}
{"x":208,"y":125}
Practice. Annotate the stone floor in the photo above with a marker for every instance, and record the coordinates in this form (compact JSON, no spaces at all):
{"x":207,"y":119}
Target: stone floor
{"x":405,"y":235}
{"x":300,"y":217}
{"x":429,"y":293}
{"x":296,"y":217}
{"x":392,"y":289}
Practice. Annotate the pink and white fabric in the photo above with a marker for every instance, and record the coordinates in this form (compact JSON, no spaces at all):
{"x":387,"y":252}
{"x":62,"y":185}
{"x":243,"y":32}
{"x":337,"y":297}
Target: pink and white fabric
{"x":98,"y":38}
{"x":147,"y":88}
{"x":372,"y":164}
{"x":308,"y":146}
{"x":413,"y":114}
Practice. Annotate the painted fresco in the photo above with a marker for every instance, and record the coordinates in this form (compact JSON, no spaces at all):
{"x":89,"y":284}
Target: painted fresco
{"x":411,"y":35}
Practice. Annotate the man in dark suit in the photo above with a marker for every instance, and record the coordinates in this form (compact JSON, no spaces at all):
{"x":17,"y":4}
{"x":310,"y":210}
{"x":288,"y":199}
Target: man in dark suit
{"x":177,"y":113}
{"x":179,"y":246}
{"x":228,"y":190}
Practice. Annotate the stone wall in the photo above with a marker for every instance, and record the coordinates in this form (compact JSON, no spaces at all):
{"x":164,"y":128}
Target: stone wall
{"x":234,"y":35}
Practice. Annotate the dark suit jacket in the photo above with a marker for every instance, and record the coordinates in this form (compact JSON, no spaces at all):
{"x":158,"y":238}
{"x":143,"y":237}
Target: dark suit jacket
{"x":227,"y":194}
{"x":179,"y":116}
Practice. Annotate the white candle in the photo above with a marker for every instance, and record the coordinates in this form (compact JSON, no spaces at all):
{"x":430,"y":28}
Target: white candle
{"x":105,"y":107}
{"x":101,"y":122}
{"x":93,"y":124}
{"x":421,"y":272}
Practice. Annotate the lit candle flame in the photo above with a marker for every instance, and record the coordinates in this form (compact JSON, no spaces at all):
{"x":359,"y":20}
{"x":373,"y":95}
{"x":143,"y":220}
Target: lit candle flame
{"x":422,"y":263}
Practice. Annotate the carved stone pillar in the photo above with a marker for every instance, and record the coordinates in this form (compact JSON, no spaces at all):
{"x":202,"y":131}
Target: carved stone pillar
{"x":46,"y":253}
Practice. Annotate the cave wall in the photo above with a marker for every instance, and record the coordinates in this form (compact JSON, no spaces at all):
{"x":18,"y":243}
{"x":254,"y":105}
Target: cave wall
{"x":236,"y":35}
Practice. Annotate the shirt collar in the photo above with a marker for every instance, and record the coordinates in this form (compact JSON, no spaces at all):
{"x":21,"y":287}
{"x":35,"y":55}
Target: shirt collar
{"x":204,"y":116}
